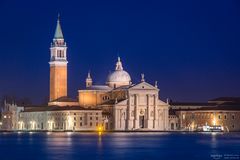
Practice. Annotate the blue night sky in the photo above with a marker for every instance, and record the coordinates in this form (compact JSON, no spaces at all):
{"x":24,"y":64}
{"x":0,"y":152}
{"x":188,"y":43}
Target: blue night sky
{"x":192,"y":48}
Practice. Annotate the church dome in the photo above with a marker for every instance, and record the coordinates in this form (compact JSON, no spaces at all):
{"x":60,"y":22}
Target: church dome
{"x":119,"y":77}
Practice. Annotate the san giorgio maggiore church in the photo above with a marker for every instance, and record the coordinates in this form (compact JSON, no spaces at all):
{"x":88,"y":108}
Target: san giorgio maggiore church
{"x":117,"y":105}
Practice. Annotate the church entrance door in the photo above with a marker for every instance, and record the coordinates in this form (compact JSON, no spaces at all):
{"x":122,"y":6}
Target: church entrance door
{"x":141,"y":121}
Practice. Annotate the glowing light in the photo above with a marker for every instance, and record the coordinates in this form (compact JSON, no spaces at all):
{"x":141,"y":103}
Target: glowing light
{"x":50,"y":125}
{"x":70,"y":123}
{"x":4,"y":116}
{"x":100,"y":129}
{"x":222,"y":128}
{"x":20,"y":125}
{"x":69,"y":133}
{"x":33,"y":124}
{"x":192,"y":126}
{"x":48,"y":133}
{"x":214,"y":121}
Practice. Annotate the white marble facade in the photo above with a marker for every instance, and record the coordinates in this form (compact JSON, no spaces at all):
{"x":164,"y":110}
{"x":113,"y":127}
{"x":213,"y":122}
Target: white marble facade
{"x":142,"y":110}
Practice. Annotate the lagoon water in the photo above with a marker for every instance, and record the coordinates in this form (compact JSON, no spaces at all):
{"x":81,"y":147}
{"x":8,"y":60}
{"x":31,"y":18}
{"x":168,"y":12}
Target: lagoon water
{"x":122,"y":146}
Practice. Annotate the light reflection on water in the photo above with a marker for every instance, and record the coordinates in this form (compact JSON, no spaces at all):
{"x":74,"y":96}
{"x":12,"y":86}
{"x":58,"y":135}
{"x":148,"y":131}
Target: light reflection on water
{"x":59,"y":145}
{"x":73,"y":145}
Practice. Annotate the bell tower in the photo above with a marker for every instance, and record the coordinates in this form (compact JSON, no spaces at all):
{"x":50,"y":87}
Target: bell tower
{"x":58,"y":65}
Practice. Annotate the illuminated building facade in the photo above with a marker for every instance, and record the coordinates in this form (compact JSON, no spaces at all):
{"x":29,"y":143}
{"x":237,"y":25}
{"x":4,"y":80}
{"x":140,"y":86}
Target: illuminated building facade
{"x":191,"y":116}
{"x":10,"y":116}
{"x":117,"y":105}
{"x":60,"y":119}
{"x":125,"y":105}
{"x":192,"y":119}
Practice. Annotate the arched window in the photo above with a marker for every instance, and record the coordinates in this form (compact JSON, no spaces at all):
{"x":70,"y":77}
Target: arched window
{"x":60,"y":53}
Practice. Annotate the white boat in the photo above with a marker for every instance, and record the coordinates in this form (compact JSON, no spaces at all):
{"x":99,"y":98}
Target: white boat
{"x":215,"y":128}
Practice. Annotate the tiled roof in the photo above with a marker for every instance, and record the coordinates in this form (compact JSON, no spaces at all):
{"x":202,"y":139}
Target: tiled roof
{"x":233,"y":107}
{"x":229,"y":99}
{"x":99,"y":87}
{"x":56,"y":108}
{"x":112,"y":102}
{"x":124,"y":87}
{"x":189,"y":104}
{"x":64,"y":99}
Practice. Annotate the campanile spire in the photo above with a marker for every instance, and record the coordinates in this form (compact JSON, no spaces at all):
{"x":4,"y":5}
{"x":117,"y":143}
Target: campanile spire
{"x":58,"y":32}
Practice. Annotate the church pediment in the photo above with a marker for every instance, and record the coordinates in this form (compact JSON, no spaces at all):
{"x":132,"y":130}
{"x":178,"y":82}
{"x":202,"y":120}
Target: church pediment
{"x":143,"y":86}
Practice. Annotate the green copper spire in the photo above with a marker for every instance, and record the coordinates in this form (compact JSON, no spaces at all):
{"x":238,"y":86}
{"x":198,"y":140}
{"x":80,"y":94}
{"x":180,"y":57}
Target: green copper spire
{"x":58,"y":31}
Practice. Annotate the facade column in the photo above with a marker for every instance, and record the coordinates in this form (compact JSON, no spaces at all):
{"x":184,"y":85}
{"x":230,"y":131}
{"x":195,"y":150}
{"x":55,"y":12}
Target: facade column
{"x":115,"y":117}
{"x":182,"y":114}
{"x":148,"y":112}
{"x":136,"y":119}
{"x":166,"y":118}
{"x":163,"y":118}
{"x":155,"y":125}
{"x":120,"y":119}
{"x":129,"y":119}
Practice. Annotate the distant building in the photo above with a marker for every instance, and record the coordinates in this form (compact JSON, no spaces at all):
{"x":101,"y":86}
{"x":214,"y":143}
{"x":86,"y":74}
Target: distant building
{"x":10,"y":116}
{"x":217,"y":112}
{"x":173,"y":121}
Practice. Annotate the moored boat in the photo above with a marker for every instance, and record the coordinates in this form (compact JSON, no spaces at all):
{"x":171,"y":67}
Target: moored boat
{"x":215,"y":128}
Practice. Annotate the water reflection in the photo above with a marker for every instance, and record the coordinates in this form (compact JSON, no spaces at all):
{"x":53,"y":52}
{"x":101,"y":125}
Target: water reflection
{"x":73,"y":145}
{"x":213,"y":140}
{"x":58,"y":145}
